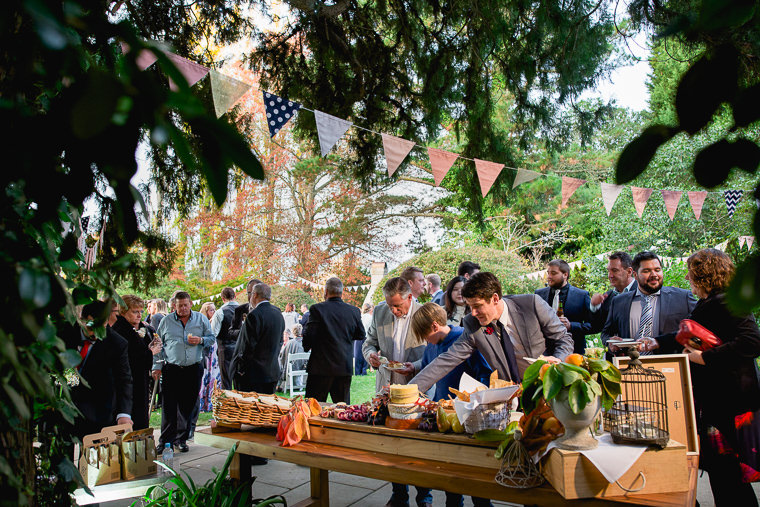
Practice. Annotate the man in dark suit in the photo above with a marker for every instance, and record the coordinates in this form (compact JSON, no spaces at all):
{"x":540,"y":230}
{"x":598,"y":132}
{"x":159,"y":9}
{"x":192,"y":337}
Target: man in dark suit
{"x":332,"y":328}
{"x":240,"y":313}
{"x":221,"y":322}
{"x":573,"y":301}
{"x":107,"y":400}
{"x":255,"y":365}
{"x":505,"y":331}
{"x":620,"y":275}
{"x":650,"y":311}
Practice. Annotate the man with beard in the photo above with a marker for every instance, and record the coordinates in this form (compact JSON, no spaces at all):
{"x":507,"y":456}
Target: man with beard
{"x":620,"y":275}
{"x":650,"y":311}
{"x":573,"y":301}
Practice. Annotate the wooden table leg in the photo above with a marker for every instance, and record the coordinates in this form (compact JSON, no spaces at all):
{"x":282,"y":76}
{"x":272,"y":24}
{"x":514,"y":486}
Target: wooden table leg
{"x":320,"y":486}
{"x":240,"y":468}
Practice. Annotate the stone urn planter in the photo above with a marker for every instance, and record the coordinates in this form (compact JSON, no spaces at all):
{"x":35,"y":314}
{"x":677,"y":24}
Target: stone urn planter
{"x":577,"y":435}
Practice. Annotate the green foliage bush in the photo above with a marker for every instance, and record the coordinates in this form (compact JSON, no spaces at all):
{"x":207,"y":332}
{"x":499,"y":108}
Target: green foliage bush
{"x":282,"y":295}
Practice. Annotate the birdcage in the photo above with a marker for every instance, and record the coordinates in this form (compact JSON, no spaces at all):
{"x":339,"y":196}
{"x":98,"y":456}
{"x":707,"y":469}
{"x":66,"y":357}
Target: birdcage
{"x":640,"y":415}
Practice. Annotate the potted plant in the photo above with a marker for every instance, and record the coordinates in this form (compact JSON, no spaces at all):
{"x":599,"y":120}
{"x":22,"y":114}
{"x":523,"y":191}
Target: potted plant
{"x":575,"y":389}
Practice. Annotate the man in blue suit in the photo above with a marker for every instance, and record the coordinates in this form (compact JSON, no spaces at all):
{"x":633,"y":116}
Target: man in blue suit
{"x":651,"y":310}
{"x":574,"y":301}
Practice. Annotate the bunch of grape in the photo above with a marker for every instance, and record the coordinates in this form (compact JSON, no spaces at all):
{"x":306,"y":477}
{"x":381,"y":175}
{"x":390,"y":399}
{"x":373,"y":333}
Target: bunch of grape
{"x":355,"y":413}
{"x":378,"y":416}
{"x":428,"y":422}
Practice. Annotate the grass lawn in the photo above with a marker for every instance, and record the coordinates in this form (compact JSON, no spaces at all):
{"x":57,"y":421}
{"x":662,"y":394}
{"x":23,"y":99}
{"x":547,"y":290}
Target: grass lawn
{"x":362,"y":389}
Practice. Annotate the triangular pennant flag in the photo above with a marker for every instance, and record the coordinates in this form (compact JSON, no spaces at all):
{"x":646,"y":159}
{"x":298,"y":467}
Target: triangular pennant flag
{"x":396,"y":150}
{"x":329,"y":129}
{"x":640,"y":198}
{"x":524,"y":176}
{"x":226,"y":91}
{"x":722,"y":246}
{"x":144,"y":58}
{"x":671,"y":198}
{"x":440,"y":162}
{"x":569,"y":186}
{"x":742,"y":239}
{"x":750,"y":241}
{"x":732,"y":198}
{"x":697,"y":200}
{"x":192,"y":71}
{"x":610,"y":194}
{"x":487,"y":174}
{"x":279,"y":111}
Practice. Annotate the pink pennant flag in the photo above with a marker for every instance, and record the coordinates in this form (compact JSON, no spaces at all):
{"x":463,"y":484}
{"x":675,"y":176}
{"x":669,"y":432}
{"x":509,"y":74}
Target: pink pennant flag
{"x":640,"y":198}
{"x":750,"y":242}
{"x":144,"y":58}
{"x":440,"y":162}
{"x":742,"y":240}
{"x":671,"y":198}
{"x":487,"y":174}
{"x":610,"y":194}
{"x":192,"y":71}
{"x":396,"y":149}
{"x":697,"y":199}
{"x":569,"y":186}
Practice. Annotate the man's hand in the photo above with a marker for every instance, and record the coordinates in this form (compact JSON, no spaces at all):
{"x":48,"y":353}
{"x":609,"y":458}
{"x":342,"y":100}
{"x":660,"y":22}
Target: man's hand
{"x":124,"y":420}
{"x":613,"y":348}
{"x":565,"y":322}
{"x":374,"y":360}
{"x":156,"y":374}
{"x":598,"y":299}
{"x":194,"y":340}
{"x":408,"y":369}
{"x":648,"y":344}
{"x":551,"y":359}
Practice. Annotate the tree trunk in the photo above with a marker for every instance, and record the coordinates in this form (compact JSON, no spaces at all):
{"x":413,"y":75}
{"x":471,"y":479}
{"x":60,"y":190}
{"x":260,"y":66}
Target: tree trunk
{"x":16,"y":449}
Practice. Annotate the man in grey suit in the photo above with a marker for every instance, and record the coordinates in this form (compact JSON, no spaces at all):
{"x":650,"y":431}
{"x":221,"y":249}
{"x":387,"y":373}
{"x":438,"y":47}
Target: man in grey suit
{"x":651,"y":310}
{"x":505,"y":331}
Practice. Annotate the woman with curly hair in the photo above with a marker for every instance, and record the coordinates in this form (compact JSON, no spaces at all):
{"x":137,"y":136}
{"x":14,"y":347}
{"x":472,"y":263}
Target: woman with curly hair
{"x":725,"y":383}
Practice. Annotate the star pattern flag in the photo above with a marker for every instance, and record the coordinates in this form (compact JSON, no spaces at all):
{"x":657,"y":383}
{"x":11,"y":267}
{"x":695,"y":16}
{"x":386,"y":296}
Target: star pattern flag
{"x":396,"y":149}
{"x":487,"y":174}
{"x":193,"y":72}
{"x":440,"y":162}
{"x":610,"y":194}
{"x":144,"y":58}
{"x":569,"y":186}
{"x":732,"y":198}
{"x":524,"y":176}
{"x":671,"y":198}
{"x":697,"y":200}
{"x":279,"y":111}
{"x":640,"y":198}
{"x":226,"y":91}
{"x":329,"y":129}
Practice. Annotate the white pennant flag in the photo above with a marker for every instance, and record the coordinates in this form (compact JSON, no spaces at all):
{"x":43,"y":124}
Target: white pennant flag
{"x":610,"y":194}
{"x":329,"y":129}
{"x":742,"y":239}
{"x":750,"y":242}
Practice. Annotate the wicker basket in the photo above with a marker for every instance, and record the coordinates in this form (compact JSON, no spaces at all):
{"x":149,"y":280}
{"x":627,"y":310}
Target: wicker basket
{"x":488,"y":416}
{"x":229,"y":410}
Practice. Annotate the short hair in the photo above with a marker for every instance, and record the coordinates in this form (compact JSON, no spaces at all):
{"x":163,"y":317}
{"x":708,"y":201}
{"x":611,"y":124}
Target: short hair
{"x":562,"y":265}
{"x":251,"y":283}
{"x":640,"y":257}
{"x":228,"y":293}
{"x":624,"y":258}
{"x":482,"y":285}
{"x":131,"y":301}
{"x":710,"y":269}
{"x":396,"y":285}
{"x":434,"y":279}
{"x":182,"y":295}
{"x":334,"y":286}
{"x":467,"y":268}
{"x":366,"y":307}
{"x":262,"y":290}
{"x":297,"y":330}
{"x":304,"y":305}
{"x":160,"y":305}
{"x":424,"y":317}
{"x":98,"y":310}
{"x":408,"y":273}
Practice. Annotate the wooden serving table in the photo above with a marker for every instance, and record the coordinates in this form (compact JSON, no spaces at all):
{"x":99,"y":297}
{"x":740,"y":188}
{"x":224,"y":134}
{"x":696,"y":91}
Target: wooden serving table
{"x":408,"y":457}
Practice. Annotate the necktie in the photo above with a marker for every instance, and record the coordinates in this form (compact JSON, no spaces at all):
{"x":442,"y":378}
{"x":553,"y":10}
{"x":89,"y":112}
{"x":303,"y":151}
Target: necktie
{"x":509,"y":352}
{"x":645,"y":326}
{"x":83,"y":351}
{"x":555,"y":301}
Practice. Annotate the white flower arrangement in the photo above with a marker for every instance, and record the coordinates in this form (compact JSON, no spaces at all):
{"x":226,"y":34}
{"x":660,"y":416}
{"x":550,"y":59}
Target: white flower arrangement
{"x":141,"y":332}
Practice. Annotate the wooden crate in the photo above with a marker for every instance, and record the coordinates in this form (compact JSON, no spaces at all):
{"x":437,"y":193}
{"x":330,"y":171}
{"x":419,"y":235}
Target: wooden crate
{"x":574,"y":476}
{"x":447,"y":447}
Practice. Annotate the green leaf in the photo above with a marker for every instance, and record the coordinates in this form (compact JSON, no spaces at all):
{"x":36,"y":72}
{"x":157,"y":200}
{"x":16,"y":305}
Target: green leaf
{"x":639,"y":152}
{"x":491,"y":435}
{"x":597,"y":365}
{"x":717,"y":15}
{"x":594,"y":389}
{"x":746,"y":106}
{"x":583,"y":372}
{"x":500,"y":450}
{"x":744,"y":291}
{"x":84,"y":294}
{"x":552,"y":383}
{"x":576,"y":397}
{"x":713,"y":164}
{"x":22,"y":409}
{"x":569,"y":376}
{"x":612,"y":374}
{"x":34,"y":287}
{"x":531,"y":373}
{"x":70,"y":358}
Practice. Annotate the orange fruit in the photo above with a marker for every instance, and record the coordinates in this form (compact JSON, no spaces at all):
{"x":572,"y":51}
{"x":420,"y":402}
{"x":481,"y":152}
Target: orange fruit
{"x":543,"y":370}
{"x":574,"y":359}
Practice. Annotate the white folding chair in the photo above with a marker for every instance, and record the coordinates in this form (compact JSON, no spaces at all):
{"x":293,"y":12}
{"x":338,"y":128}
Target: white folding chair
{"x":292,"y":373}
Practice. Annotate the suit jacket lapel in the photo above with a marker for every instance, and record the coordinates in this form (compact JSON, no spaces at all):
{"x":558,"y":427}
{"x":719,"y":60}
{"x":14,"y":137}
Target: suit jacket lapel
{"x":627,"y":314}
{"x":387,"y":331}
{"x":664,"y":302}
{"x":519,"y":323}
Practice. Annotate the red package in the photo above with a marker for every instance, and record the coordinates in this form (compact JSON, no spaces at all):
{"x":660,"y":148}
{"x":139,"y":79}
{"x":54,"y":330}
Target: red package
{"x":696,"y":336}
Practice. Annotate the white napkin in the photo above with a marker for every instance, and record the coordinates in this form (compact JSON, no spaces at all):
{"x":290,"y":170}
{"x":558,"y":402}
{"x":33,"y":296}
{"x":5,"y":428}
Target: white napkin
{"x":469,"y":384}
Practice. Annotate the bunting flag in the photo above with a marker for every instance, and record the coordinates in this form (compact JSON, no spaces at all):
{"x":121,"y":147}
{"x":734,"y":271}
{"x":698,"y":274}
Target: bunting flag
{"x":396,"y":149}
{"x":569,"y":186}
{"x":487,"y":174}
{"x":225,"y":91}
{"x":193,"y":72}
{"x":329,"y":129}
{"x":742,"y":239}
{"x":279,"y":111}
{"x":732,"y":198}
{"x":722,"y":246}
{"x":640,"y":198}
{"x":671,"y":198}
{"x":750,"y":242}
{"x":144,"y":58}
{"x":440,"y":162}
{"x":610,"y":194}
{"x":524,"y":176}
{"x":697,"y":200}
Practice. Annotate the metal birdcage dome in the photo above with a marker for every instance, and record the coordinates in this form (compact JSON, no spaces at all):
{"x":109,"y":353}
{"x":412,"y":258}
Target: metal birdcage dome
{"x":640,"y":415}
